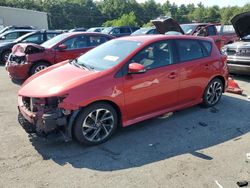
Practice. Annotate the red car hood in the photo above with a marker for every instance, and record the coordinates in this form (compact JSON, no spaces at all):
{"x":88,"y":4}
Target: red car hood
{"x":22,"y":49}
{"x":55,"y":81}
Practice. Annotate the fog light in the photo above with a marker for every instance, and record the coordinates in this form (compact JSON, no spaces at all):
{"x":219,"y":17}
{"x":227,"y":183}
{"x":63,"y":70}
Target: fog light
{"x":66,"y":112}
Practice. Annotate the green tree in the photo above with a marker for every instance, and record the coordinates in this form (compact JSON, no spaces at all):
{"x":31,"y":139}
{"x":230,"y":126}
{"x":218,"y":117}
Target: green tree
{"x":125,"y":19}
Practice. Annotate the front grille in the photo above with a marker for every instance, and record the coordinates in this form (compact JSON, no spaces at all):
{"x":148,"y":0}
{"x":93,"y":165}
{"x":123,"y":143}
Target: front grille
{"x":243,"y":52}
{"x":231,"y":52}
{"x":16,"y":59}
{"x":35,"y":104}
{"x":26,"y":103}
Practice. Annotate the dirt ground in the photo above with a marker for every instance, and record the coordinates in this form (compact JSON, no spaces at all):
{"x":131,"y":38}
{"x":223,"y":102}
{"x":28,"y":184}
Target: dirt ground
{"x":195,"y":147}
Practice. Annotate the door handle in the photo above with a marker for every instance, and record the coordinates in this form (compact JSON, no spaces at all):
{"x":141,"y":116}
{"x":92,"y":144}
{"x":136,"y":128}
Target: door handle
{"x":172,"y":75}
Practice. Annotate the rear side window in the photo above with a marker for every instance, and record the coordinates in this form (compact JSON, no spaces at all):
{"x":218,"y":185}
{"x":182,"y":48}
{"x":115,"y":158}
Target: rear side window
{"x":207,"y":48}
{"x":51,"y":35}
{"x":12,"y":35}
{"x":36,"y":38}
{"x":189,"y":50}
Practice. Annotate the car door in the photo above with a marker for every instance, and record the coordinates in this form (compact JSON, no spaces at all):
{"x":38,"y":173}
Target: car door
{"x":195,"y":68}
{"x":155,"y":89}
{"x":76,"y":46}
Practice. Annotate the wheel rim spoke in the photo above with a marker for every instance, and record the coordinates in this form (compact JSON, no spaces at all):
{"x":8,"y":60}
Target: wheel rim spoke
{"x":39,"y":68}
{"x":98,"y":125}
{"x":214,"y":92}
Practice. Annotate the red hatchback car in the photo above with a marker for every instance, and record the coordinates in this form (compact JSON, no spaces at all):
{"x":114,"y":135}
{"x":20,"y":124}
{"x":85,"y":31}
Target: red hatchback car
{"x":27,"y":59}
{"x":122,"y":82}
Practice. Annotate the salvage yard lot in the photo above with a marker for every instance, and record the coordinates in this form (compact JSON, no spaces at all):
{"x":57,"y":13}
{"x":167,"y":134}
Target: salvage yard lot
{"x":195,"y":147}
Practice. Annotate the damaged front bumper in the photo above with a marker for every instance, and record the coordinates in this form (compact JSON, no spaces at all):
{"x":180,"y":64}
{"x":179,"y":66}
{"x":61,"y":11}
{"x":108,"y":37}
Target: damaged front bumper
{"x":17,"y":67}
{"x":41,"y":119}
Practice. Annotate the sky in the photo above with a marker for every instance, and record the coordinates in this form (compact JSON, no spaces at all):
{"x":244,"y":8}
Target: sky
{"x":220,"y":3}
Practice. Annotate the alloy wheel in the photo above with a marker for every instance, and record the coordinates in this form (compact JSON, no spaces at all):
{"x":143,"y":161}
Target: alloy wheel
{"x":40,"y":67}
{"x":98,"y":125}
{"x":214,"y":92}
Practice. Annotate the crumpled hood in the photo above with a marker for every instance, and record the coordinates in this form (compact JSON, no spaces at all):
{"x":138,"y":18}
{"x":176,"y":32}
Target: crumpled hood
{"x":166,"y":24}
{"x":239,"y":44}
{"x":56,"y":80}
{"x":22,"y":49}
{"x":241,"y":24}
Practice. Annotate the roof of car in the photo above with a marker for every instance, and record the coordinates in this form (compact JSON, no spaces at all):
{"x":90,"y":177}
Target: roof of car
{"x":19,"y":30}
{"x":152,"y":38}
{"x":86,"y":33}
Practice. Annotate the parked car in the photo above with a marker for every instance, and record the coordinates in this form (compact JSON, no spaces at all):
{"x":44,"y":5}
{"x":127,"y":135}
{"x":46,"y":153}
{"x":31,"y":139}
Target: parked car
{"x":79,"y":29}
{"x":95,"y":29}
{"x":27,"y":59}
{"x":37,"y":37}
{"x":120,"y":83}
{"x":239,"y":52}
{"x":145,"y":31}
{"x":221,"y":38}
{"x":12,"y":35}
{"x":8,"y":28}
{"x":120,"y":31}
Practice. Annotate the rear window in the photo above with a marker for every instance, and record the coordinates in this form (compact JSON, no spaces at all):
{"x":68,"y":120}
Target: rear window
{"x":189,"y":50}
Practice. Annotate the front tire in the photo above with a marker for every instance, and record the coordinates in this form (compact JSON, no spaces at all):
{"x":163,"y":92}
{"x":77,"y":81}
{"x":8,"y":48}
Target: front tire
{"x":38,"y":67}
{"x":213,"y":93}
{"x":95,"y":124}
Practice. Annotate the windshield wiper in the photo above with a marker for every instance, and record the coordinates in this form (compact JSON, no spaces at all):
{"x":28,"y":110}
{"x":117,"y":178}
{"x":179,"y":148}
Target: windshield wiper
{"x":82,"y":65}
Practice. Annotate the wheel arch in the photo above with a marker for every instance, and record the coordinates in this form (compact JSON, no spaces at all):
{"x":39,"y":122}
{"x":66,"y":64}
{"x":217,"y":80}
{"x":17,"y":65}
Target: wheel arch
{"x":39,"y":61}
{"x":75,"y":114}
{"x":222,"y":79}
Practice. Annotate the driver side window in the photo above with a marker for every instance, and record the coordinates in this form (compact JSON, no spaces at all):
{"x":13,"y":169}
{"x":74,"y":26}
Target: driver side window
{"x":77,"y":42}
{"x":156,"y":55}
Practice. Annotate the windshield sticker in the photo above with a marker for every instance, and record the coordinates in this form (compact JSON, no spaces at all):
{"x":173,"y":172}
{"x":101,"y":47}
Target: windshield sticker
{"x":111,"y":58}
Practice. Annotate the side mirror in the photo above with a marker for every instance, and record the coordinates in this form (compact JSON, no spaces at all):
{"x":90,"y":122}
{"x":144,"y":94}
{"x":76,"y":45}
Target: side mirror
{"x":62,"y":47}
{"x":136,"y":68}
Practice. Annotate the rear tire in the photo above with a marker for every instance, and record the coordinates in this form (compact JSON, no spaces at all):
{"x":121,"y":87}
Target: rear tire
{"x":95,"y":124}
{"x":37,"y":67}
{"x":212,"y":93}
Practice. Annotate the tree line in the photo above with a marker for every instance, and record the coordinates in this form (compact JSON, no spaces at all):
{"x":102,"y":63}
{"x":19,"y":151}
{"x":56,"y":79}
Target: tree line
{"x":66,"y":14}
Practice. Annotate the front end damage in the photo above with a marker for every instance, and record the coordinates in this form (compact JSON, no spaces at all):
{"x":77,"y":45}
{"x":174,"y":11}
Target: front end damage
{"x":44,"y":116}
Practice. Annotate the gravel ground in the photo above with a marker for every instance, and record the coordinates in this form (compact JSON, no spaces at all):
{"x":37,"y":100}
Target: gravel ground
{"x":195,"y":147}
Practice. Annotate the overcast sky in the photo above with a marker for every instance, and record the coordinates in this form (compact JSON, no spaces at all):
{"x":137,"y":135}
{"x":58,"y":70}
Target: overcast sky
{"x":220,"y":3}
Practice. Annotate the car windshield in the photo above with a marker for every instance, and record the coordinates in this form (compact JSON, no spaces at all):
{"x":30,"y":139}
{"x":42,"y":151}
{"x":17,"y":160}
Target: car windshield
{"x":188,"y":28}
{"x":141,"y":31}
{"x":107,"y":30}
{"x":50,"y":43}
{"x":108,"y":54}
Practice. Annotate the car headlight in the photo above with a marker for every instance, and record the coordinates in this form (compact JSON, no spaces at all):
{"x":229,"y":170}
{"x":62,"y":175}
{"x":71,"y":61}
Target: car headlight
{"x":224,"y":50}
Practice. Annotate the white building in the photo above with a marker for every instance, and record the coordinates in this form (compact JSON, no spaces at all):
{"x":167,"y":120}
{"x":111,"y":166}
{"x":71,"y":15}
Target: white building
{"x":23,"y":17}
